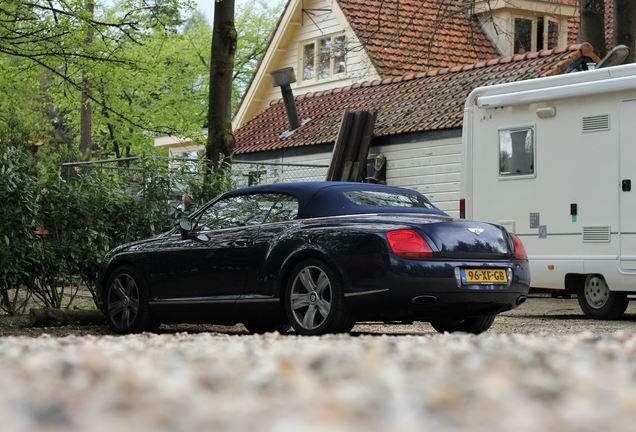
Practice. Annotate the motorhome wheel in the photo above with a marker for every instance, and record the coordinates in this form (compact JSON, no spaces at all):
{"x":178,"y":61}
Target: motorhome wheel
{"x":597,"y":301}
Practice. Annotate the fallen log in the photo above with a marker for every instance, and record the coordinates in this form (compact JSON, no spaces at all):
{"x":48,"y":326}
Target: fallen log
{"x":48,"y":316}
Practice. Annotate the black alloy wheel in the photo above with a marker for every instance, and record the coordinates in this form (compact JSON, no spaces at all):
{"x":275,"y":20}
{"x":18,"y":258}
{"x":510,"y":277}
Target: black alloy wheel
{"x":314,"y":300}
{"x":598,"y":302}
{"x":475,"y":325}
{"x":126,"y":302}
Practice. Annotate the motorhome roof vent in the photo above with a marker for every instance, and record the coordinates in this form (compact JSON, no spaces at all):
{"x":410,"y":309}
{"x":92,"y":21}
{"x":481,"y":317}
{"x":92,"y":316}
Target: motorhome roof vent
{"x":596,"y":123}
{"x":596,"y":234}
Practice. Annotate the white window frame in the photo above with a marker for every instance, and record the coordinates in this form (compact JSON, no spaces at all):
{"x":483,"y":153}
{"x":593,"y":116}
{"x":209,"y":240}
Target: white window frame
{"x":534,"y":152}
{"x":546,"y":26}
{"x":316,"y":43}
{"x":534,"y":30}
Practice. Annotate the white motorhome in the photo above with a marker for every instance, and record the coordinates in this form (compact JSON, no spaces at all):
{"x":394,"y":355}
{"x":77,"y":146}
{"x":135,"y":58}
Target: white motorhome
{"x":554,"y":161}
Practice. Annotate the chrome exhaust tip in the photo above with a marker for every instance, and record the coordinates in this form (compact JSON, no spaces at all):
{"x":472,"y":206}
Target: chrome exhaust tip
{"x":521,"y":300}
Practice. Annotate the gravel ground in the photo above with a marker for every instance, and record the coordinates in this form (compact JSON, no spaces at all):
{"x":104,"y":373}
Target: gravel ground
{"x":541,"y":367}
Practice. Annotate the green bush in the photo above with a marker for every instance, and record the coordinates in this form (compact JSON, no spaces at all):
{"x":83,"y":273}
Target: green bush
{"x":55,"y":231}
{"x":18,"y":223}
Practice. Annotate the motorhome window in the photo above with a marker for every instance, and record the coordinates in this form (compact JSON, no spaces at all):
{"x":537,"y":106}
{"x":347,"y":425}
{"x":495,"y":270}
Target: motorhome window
{"x":516,"y":152}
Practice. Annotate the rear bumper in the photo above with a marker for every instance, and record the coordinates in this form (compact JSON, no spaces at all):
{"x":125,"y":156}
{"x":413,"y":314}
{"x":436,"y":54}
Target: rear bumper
{"x":425,"y":290}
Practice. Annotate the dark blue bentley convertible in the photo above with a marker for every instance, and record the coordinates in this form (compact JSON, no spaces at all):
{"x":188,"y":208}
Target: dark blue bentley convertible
{"x":319,"y":257}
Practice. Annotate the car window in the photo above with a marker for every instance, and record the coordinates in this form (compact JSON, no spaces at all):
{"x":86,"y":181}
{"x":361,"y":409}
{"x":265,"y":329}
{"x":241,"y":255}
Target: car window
{"x":244,"y":210}
{"x":387,"y":199}
{"x":283,"y":209}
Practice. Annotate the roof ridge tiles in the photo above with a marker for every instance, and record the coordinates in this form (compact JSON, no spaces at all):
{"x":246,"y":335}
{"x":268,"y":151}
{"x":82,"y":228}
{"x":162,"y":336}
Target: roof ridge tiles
{"x":585,"y":48}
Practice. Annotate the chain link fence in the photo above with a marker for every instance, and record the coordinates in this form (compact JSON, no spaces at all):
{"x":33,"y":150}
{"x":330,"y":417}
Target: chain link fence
{"x":250,"y":173}
{"x":243,"y":173}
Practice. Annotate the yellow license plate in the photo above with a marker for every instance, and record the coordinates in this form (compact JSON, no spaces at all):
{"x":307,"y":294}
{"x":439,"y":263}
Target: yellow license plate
{"x":483,"y":276}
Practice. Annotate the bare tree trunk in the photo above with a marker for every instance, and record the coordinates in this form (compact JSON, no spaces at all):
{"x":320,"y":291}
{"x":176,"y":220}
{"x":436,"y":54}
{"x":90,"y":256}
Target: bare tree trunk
{"x":220,"y":136}
{"x":625,"y":25}
{"x":86,"y":108}
{"x":592,"y":28}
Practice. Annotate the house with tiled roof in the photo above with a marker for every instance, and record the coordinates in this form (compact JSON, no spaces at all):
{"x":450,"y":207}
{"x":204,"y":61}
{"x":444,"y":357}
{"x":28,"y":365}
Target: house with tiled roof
{"x":414,"y":61}
{"x":334,"y":43}
{"x":419,"y":120}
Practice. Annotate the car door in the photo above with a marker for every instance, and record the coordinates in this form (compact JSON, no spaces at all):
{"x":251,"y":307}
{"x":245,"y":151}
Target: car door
{"x":271,"y":246}
{"x":212,"y":265}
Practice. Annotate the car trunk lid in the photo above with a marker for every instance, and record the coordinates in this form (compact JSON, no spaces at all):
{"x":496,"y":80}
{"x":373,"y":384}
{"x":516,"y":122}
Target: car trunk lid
{"x":468,"y":240}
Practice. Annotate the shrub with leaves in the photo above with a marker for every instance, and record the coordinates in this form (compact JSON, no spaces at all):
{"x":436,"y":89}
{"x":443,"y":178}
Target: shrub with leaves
{"x":18,"y":224}
{"x":81,"y":218}
{"x":54,"y":231}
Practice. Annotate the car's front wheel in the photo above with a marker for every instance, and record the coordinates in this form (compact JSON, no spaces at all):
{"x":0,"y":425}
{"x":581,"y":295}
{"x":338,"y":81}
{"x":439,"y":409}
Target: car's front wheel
{"x":597,"y":301}
{"x":126,"y":302}
{"x":475,"y":325}
{"x":315,"y":300}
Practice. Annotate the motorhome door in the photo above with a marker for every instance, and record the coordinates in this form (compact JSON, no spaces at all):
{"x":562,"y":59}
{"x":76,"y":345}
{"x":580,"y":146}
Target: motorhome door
{"x":627,"y":184}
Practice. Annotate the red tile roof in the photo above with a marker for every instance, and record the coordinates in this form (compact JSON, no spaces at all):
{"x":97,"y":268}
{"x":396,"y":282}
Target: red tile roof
{"x":609,"y":24}
{"x":402,"y":36}
{"x":426,"y":101}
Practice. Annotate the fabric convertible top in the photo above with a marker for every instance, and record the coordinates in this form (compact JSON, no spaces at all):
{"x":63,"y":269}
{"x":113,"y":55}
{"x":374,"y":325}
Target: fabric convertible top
{"x":319,"y":199}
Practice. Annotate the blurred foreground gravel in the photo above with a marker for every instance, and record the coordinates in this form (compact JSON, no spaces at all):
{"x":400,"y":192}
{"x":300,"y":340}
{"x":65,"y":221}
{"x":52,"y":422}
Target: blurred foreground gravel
{"x":208,"y":381}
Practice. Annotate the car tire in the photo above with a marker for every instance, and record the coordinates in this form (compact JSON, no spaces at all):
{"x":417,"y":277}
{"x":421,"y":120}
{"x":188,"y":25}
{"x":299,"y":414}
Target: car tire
{"x":475,"y":325}
{"x":314,"y":300}
{"x":260,"y":328}
{"x":598,"y":302}
{"x":126,"y":303}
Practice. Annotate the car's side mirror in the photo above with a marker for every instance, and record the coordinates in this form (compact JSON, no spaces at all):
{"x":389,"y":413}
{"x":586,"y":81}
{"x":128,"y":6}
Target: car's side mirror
{"x":185,"y":226}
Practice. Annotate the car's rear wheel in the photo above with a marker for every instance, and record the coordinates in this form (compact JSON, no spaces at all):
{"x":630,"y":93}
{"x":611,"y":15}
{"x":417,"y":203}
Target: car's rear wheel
{"x":315,"y":300}
{"x":267,"y":327}
{"x":475,"y":325}
{"x":126,"y":302}
{"x":597,"y":301}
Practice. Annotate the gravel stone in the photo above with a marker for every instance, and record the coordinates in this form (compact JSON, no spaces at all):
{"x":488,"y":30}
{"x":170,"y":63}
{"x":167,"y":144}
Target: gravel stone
{"x":530,"y":372}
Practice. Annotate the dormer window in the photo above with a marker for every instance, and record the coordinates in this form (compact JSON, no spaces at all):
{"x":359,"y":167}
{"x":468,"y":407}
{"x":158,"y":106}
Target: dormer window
{"x":323,"y":58}
{"x":534,"y":34}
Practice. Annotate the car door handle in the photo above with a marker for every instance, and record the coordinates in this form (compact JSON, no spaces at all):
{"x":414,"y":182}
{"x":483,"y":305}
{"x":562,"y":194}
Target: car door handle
{"x":626,"y":185}
{"x":240,"y":242}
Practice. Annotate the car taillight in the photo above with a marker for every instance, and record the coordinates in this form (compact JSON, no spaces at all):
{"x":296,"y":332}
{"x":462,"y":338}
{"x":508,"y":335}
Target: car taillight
{"x":462,"y":208}
{"x":408,"y":244}
{"x":520,"y":251}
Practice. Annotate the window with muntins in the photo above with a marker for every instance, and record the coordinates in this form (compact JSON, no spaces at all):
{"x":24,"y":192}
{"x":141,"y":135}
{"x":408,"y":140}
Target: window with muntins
{"x":516,"y":152}
{"x":535,"y":34}
{"x":323,"y":57}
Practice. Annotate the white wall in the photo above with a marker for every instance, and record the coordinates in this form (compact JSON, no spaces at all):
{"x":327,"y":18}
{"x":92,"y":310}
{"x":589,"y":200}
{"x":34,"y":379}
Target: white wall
{"x":430,"y":167}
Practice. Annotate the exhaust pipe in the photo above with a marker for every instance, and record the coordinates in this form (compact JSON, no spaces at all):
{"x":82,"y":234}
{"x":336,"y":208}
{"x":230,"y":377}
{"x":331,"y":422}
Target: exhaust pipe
{"x":520,"y":300}
{"x":424,"y":299}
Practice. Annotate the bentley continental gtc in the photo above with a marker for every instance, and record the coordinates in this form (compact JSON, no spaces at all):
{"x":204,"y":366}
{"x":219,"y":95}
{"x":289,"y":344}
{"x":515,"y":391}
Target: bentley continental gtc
{"x":319,"y":257}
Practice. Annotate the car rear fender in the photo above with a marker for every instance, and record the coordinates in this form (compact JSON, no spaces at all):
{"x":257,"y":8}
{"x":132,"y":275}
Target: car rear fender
{"x":296,"y":257}
{"x":350,"y":256}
